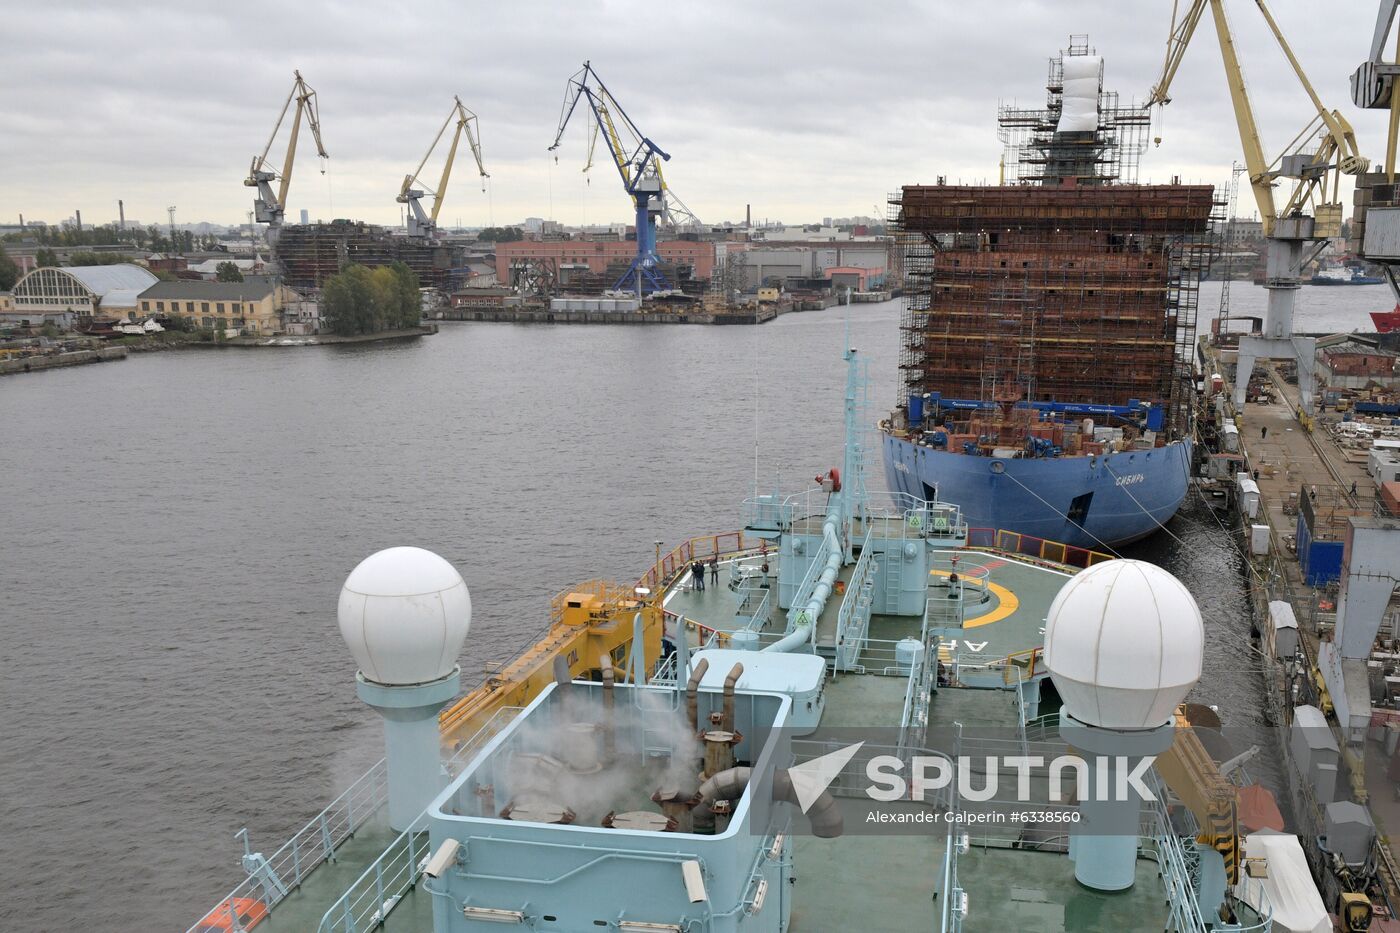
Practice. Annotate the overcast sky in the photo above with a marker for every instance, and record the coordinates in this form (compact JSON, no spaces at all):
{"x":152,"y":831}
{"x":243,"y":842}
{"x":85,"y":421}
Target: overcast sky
{"x":804,"y":109}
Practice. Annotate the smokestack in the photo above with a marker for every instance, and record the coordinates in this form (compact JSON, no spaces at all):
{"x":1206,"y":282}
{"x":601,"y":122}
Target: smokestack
{"x":748,"y":215}
{"x":78,"y":216}
{"x":121,"y":215}
{"x":21,"y":221}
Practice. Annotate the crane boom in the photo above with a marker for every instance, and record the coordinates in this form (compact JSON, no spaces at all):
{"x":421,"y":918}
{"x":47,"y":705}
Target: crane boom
{"x":421,"y":223}
{"x":1317,"y":172}
{"x":638,"y":162}
{"x":1294,"y":236}
{"x":270,"y":208}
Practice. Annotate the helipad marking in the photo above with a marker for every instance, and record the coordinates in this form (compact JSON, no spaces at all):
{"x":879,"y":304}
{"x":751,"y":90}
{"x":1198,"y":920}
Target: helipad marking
{"x":1007,"y":603}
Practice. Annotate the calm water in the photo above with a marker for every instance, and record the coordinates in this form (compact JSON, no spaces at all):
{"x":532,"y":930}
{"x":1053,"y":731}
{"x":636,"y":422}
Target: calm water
{"x":176,"y":528}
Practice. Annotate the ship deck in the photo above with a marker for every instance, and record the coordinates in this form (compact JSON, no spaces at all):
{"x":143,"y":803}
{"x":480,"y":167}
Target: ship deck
{"x":843,"y":883}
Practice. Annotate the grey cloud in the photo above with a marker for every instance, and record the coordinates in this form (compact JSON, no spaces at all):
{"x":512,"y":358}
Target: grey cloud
{"x":802,"y":108}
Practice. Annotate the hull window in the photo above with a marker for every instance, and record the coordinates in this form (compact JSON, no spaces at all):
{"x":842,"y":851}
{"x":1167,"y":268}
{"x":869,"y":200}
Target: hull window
{"x":930,"y":493}
{"x":1079,"y":508}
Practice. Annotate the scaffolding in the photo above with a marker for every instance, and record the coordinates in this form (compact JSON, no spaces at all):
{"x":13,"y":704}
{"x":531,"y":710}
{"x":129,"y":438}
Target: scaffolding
{"x":1083,"y":295}
{"x":1034,"y":152}
{"x":1069,"y":285}
{"x":309,"y":254}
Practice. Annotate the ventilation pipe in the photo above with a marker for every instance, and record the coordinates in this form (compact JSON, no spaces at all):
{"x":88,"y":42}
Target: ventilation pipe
{"x":737,"y":671}
{"x":835,"y":556}
{"x":609,"y":729}
{"x":692,"y":690}
{"x":563,"y":681}
{"x":826,"y":819}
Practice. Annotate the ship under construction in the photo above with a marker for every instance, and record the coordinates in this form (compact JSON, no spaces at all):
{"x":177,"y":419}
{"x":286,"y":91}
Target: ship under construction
{"x":1048,"y":325}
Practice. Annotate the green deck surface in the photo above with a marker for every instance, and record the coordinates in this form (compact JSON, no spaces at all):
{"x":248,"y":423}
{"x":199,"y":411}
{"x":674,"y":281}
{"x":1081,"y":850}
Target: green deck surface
{"x":302,"y":909}
{"x":1011,"y":889}
{"x":868,"y":882}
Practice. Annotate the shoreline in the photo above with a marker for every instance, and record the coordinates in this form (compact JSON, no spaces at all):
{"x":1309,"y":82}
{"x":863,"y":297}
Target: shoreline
{"x":280,"y":341}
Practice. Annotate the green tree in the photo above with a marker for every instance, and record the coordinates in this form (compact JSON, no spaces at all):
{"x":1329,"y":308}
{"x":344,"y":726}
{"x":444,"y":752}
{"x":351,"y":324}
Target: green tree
{"x":227,"y":272}
{"x":45,"y":258}
{"x":9,"y":271}
{"x":366,"y":301}
{"x":410,"y":305}
{"x":89,"y":258}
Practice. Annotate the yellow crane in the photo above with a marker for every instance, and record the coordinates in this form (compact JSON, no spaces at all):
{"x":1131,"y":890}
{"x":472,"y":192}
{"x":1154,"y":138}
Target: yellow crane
{"x":422,"y":223}
{"x":271,"y":208}
{"x":1314,"y":159}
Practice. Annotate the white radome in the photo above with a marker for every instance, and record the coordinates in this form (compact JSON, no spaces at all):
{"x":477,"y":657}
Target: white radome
{"x":1124,"y":642}
{"x":404,"y":613}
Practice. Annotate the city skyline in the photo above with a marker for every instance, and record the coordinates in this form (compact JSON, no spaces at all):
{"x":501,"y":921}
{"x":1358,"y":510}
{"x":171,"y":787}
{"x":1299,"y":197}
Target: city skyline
{"x":824,"y":128}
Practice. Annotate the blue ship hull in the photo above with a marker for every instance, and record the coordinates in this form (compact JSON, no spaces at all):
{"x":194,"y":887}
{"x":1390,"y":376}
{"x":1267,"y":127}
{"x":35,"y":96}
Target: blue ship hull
{"x":1114,"y":498}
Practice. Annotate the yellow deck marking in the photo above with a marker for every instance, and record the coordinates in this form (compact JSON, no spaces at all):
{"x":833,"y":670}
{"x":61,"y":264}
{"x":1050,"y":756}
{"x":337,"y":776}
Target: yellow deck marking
{"x":1007,"y":603}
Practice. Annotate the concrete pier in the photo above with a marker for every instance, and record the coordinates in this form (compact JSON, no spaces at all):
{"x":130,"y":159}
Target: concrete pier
{"x":32,"y":364}
{"x":1294,"y":458}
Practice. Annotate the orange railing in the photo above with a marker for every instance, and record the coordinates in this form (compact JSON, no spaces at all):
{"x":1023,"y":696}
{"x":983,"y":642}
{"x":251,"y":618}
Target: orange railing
{"x":702,"y":547}
{"x":1031,"y":546}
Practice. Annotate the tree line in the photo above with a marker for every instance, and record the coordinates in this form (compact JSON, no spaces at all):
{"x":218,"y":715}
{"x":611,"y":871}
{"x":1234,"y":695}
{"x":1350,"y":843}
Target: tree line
{"x":361,"y":300}
{"x":151,"y":237}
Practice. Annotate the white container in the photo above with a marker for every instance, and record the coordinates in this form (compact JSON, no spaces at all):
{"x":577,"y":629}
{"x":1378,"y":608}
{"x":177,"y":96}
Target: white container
{"x":1258,"y":540}
{"x":907,"y":652}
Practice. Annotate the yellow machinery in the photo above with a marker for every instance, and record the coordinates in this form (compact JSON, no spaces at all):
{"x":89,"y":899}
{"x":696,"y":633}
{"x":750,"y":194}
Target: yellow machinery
{"x":594,"y":619}
{"x":1193,"y":776}
{"x":1300,"y":228}
{"x":1318,"y":173}
{"x":421,"y":223}
{"x":270,"y":208}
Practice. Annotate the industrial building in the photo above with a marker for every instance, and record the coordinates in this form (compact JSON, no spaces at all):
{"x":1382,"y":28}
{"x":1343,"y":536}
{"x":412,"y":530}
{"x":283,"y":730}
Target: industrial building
{"x":66,"y":296}
{"x":797,"y":264}
{"x":1352,"y":361}
{"x":599,"y":256}
{"x":252,"y":307}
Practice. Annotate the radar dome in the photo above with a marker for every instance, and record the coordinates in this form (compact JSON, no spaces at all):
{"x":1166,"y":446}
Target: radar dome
{"x":1124,"y":643}
{"x":404,"y":613}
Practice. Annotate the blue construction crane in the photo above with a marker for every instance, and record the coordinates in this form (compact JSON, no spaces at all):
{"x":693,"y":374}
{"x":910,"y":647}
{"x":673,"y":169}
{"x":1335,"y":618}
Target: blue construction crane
{"x":638,"y":161}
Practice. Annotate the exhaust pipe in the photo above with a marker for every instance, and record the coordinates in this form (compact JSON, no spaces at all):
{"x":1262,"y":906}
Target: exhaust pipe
{"x":563,"y":680}
{"x":692,"y":689}
{"x":609,"y":679}
{"x":826,"y":819}
{"x":735,"y":673}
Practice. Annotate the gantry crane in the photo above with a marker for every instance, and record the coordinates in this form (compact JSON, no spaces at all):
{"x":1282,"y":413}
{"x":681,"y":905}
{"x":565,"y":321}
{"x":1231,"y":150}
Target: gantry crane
{"x":420,"y":222}
{"x":1294,"y":235}
{"x":638,"y":162}
{"x":270,"y":208}
{"x":1376,"y":223}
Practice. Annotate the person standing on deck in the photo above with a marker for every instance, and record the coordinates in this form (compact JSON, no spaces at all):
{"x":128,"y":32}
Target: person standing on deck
{"x":1263,"y":431}
{"x":714,"y":570}
{"x":697,"y":576}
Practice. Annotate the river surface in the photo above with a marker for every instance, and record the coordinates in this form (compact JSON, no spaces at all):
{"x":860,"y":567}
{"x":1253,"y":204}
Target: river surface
{"x":174,"y":530}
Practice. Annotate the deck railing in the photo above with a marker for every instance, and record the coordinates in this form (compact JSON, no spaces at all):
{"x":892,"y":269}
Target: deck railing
{"x":1039,"y":548}
{"x":368,"y":900}
{"x":703,"y":547}
{"x":271,"y":879}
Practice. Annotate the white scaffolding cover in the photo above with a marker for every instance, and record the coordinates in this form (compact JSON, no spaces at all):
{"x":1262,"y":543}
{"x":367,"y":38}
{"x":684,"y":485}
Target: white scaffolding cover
{"x":1079,"y":111}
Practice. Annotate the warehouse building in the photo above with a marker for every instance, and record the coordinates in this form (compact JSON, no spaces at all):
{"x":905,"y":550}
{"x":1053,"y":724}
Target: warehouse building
{"x":250,"y":307}
{"x":68,"y":295}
